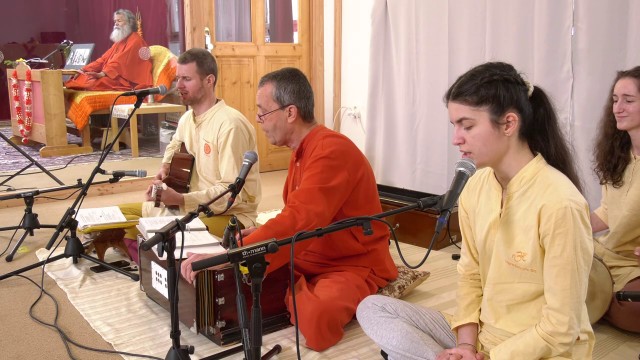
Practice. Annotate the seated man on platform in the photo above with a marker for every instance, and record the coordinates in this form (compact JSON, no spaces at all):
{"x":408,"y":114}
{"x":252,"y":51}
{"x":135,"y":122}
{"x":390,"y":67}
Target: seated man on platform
{"x":329,"y":180}
{"x":217,"y":136}
{"x":124,"y":66}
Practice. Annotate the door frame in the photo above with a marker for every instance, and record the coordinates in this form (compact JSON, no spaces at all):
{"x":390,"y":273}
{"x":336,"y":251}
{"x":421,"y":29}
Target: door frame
{"x":194,"y":22}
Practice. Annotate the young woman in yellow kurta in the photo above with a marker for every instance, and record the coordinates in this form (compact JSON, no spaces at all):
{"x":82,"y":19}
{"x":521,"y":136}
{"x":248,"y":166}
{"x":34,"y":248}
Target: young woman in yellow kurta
{"x":526,"y":242}
{"x":617,"y":155}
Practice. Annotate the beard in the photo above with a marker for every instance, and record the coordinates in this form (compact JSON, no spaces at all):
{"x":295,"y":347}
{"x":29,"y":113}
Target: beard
{"x":118,"y":34}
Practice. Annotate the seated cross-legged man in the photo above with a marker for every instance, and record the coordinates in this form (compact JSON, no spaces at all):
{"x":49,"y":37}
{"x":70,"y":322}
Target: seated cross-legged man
{"x":217,"y":136}
{"x":329,"y":179}
{"x":124,"y":66}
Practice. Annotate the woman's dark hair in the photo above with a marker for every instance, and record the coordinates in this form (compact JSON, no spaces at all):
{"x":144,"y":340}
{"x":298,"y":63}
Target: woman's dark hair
{"x":500,"y":88}
{"x":612,"y":152}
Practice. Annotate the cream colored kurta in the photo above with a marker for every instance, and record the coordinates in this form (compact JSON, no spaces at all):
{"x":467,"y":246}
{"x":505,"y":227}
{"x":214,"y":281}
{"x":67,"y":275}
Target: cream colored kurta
{"x":620,"y":210}
{"x":218,"y":139}
{"x":525,"y":265}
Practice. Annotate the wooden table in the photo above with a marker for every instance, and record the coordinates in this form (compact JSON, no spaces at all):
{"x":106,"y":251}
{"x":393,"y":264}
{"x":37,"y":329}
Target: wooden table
{"x":123,"y":111}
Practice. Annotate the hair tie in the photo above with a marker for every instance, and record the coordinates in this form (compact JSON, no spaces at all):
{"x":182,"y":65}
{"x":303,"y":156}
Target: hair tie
{"x":529,"y":88}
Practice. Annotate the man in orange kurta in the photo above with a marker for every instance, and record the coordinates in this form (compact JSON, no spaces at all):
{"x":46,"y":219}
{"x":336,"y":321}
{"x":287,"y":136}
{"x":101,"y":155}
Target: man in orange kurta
{"x":125,"y":66}
{"x":329,"y":179}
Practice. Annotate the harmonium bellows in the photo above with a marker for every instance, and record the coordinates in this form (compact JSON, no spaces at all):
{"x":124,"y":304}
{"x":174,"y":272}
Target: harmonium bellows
{"x":416,"y":227}
{"x":209,"y":308}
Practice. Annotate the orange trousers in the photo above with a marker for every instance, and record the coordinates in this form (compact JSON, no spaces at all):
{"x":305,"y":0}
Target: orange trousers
{"x":325,"y":304}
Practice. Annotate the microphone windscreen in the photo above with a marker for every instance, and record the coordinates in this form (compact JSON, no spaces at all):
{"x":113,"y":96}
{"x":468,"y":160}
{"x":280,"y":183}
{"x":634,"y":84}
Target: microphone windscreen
{"x":467,"y":165}
{"x":251,"y":156}
{"x":162,"y":89}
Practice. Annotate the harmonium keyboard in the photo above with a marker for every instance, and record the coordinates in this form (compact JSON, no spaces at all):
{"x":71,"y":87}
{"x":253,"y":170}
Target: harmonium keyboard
{"x":209,"y":308}
{"x":416,"y":226}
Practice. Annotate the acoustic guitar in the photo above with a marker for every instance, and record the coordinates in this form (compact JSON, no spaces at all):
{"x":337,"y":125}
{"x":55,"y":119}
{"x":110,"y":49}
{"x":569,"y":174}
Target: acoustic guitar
{"x":179,"y":176}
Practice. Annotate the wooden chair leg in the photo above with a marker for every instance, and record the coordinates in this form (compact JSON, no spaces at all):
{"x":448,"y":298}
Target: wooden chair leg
{"x":85,"y":134}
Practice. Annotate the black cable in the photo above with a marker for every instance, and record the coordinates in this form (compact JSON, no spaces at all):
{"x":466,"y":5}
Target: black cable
{"x":50,"y":170}
{"x":12,"y":237}
{"x":451,"y":241}
{"x":54,"y":325}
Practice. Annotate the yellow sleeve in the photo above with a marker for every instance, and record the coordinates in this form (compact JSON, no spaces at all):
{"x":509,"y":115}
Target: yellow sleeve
{"x":469,"y":293}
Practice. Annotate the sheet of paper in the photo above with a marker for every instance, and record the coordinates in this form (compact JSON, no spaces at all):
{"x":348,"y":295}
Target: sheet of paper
{"x":97,"y":216}
{"x":149,"y":225}
{"x":205,"y":249}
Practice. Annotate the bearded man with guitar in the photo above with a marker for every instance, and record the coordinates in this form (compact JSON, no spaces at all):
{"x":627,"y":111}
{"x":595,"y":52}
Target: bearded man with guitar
{"x":216,"y":136}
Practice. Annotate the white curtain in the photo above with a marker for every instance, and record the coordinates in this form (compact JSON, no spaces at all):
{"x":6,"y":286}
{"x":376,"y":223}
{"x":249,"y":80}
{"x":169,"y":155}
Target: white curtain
{"x":418,"y":48}
{"x":607,"y":40}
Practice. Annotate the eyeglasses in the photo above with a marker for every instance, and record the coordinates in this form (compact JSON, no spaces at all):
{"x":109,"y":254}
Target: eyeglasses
{"x":262,"y":116}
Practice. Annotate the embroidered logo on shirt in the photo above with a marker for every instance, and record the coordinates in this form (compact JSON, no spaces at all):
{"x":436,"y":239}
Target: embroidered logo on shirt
{"x":207,"y":149}
{"x":519,"y":261}
{"x":519,"y":256}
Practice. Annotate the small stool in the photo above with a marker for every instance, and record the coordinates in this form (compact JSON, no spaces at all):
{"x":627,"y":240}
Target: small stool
{"x":125,"y":137}
{"x":104,"y":239}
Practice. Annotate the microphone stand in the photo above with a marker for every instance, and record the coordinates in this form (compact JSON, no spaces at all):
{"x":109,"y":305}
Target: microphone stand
{"x":61,"y":47}
{"x":29,"y":221}
{"x":253,"y":255}
{"x":74,"y":248}
{"x":31,"y":160}
{"x":166,"y":241}
{"x":630,"y":296}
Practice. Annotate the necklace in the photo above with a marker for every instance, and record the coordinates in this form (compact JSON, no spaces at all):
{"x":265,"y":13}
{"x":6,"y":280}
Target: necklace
{"x":24,"y":122}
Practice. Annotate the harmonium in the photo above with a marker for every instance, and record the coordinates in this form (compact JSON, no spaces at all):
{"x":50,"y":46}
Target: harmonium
{"x":209,"y":307}
{"x":416,"y":226}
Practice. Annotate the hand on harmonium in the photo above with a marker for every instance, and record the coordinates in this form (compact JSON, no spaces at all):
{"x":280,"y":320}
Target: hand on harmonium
{"x":186,"y":270}
{"x":248,"y":231}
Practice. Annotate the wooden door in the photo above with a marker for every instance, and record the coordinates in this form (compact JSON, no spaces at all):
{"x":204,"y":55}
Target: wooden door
{"x":241,"y":64}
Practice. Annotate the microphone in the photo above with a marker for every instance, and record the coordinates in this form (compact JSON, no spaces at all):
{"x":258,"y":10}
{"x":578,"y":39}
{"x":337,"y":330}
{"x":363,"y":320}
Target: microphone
{"x":161,"y":90}
{"x":229,"y":232}
{"x":250,"y":158}
{"x":65,"y":44}
{"x":628,"y":296}
{"x":465,"y":168}
{"x":121,"y":173}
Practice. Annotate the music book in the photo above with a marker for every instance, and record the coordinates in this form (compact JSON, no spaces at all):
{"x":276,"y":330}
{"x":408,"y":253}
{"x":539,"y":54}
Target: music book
{"x":150,"y":225}
{"x":94,"y":219}
{"x":195,"y":241}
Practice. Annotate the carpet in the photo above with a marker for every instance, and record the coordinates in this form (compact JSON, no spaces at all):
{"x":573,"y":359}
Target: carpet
{"x":122,"y":314}
{"x":12,"y":160}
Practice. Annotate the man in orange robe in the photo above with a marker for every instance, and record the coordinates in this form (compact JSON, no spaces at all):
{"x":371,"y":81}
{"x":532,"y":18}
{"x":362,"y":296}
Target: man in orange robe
{"x":125,"y":66}
{"x":329,"y":180}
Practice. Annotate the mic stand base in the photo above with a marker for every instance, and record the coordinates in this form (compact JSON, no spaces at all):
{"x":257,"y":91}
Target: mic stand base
{"x":181,"y":353}
{"x":28,"y":223}
{"x":74,"y":250}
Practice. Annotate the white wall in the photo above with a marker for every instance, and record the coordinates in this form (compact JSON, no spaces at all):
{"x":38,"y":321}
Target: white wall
{"x":356,"y":33}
